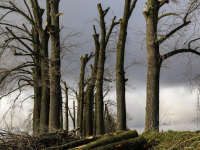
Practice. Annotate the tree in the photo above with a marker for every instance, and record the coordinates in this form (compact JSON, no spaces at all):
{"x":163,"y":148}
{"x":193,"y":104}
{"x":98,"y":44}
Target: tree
{"x":89,"y":94}
{"x":120,"y":74}
{"x":35,"y":54}
{"x":65,"y":89}
{"x":54,"y":115}
{"x":100,"y":71}
{"x":81,"y":101}
{"x":44,"y":37}
{"x":155,"y":59}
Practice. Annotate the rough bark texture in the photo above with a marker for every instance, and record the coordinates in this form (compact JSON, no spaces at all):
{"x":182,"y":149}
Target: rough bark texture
{"x":81,"y":100}
{"x":104,"y":140}
{"x":37,"y":83}
{"x":54,"y":115}
{"x":66,"y":108}
{"x":138,"y":143}
{"x":74,"y":144}
{"x":74,"y":115}
{"x":100,"y":72}
{"x":89,"y":94}
{"x":44,"y":112}
{"x":95,"y":116}
{"x":44,"y":38}
{"x":153,"y":72}
{"x":44,"y":118}
{"x":61,"y":109}
{"x":120,"y":74}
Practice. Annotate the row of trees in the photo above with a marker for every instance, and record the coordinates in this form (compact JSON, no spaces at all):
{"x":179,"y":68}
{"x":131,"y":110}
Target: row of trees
{"x":43,"y":72}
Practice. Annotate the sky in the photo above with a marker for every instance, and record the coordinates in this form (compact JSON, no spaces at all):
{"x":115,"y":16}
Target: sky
{"x":177,"y":98}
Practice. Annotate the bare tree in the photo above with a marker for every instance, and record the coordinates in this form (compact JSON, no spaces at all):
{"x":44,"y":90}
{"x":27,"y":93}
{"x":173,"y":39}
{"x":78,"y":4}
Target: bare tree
{"x":154,"y":40}
{"x":100,"y":71}
{"x":120,"y":74}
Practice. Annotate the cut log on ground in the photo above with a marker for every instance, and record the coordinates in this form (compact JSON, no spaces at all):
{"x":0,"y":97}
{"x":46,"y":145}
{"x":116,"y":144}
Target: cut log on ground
{"x":104,"y":140}
{"x":138,"y":143}
{"x":73,"y":144}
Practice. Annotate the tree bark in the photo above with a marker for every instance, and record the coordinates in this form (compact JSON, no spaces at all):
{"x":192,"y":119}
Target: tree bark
{"x":36,"y":83}
{"x":110,"y":139}
{"x":89,"y":94}
{"x":120,"y":74}
{"x":61,"y":109}
{"x":44,"y":112}
{"x":153,"y":72}
{"x":44,"y":38}
{"x":100,"y":72}
{"x":66,"y":108}
{"x":81,"y":100}
{"x":74,"y":115}
{"x":54,"y":115}
{"x":74,"y":144}
{"x":138,"y":143}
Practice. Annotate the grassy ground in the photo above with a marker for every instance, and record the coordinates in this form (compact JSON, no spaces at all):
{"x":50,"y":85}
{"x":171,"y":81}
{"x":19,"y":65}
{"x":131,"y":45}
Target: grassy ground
{"x":173,"y":140}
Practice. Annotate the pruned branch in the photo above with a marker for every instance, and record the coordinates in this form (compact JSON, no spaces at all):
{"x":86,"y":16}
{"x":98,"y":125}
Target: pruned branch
{"x":132,"y":7}
{"x":168,"y":14}
{"x":172,"y":53}
{"x":111,"y":29}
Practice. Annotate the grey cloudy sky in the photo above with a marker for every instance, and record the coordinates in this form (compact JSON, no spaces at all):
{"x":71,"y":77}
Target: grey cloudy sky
{"x":177,"y":100}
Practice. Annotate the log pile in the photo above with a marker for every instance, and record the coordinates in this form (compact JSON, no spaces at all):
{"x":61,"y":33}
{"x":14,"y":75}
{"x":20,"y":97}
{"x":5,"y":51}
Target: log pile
{"x":63,"y":141}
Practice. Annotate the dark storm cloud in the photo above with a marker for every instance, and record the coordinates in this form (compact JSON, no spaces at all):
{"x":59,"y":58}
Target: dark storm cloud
{"x":79,"y":15}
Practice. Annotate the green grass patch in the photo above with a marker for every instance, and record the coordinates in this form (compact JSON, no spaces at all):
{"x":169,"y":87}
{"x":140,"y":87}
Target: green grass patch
{"x":173,"y":140}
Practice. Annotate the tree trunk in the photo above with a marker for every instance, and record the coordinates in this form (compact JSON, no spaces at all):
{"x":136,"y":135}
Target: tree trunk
{"x":89,"y":94}
{"x":73,"y":144}
{"x":37,"y":83}
{"x":66,"y":108}
{"x":95,"y":116}
{"x":44,"y":39}
{"x":120,"y":74}
{"x":44,"y":112}
{"x":100,"y":72}
{"x":138,"y":143}
{"x":61,"y":109}
{"x":81,"y":97}
{"x":74,"y":120}
{"x":81,"y":101}
{"x":111,"y":139}
{"x":153,"y":72}
{"x":54,"y":115}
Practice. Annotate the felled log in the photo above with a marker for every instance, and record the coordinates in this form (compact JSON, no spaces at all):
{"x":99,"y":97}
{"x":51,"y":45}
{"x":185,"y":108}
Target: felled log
{"x":138,"y":143}
{"x":74,"y":144}
{"x":81,"y":142}
{"x":104,"y":140}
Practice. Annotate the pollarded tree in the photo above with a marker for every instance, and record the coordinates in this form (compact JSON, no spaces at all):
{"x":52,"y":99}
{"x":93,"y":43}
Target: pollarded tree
{"x":100,"y":71}
{"x":89,"y":94}
{"x":120,"y":74}
{"x":155,"y":59}
{"x":81,"y":100}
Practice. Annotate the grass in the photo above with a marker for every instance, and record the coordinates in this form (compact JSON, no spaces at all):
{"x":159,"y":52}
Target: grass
{"x":173,"y":140}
